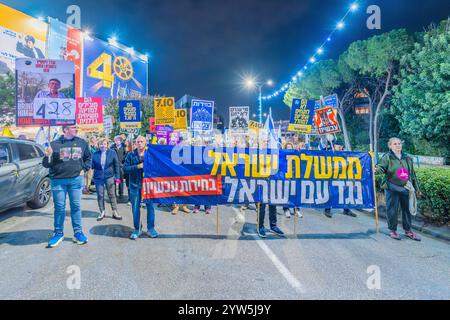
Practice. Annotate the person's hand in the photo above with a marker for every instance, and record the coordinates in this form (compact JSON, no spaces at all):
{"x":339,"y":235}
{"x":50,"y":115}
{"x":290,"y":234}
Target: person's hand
{"x":82,"y":173}
{"x":118,"y":181}
{"x":140,"y":166}
{"x":48,"y":151}
{"x":419,"y":195}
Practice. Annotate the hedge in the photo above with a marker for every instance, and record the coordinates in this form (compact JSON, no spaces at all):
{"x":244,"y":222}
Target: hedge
{"x":434,"y":183}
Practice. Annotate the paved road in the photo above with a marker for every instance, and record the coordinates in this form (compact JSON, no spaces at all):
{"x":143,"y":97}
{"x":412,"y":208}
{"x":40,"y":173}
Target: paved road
{"x":328,"y":259}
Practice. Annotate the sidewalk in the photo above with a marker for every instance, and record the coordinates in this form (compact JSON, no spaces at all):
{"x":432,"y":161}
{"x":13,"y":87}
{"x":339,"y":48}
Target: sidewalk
{"x":418,"y":224}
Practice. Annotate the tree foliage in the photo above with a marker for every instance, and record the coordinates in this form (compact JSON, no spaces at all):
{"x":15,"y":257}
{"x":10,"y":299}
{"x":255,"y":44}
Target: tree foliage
{"x":421,"y":100}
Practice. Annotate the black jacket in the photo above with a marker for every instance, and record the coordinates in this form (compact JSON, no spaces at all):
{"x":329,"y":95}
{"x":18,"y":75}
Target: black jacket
{"x":112,"y":167}
{"x":121,"y":153}
{"x":69,"y":158}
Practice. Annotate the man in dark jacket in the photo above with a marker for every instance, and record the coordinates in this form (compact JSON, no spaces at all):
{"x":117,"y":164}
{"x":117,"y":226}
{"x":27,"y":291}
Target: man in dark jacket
{"x":68,"y":158}
{"x":134,"y":166}
{"x":119,"y":148}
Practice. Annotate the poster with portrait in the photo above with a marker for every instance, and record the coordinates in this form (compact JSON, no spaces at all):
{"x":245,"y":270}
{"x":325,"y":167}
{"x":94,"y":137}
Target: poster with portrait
{"x":20,"y":36}
{"x":45,"y":92}
{"x":239,"y":119}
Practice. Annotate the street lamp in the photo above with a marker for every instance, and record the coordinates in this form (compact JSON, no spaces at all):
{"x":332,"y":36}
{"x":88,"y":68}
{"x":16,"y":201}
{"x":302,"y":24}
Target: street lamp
{"x":251,"y":83}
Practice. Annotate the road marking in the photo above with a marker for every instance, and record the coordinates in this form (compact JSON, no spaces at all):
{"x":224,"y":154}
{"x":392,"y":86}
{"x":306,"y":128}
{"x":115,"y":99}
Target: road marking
{"x":290,"y":278}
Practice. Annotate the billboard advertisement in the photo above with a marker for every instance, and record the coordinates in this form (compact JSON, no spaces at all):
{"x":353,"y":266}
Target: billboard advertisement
{"x":45,"y":92}
{"x":20,"y":36}
{"x":112,"y":72}
{"x":66,"y":43}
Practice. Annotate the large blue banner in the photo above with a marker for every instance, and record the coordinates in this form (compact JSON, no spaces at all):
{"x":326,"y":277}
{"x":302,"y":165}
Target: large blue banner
{"x":211,"y":176}
{"x":111,"y":72}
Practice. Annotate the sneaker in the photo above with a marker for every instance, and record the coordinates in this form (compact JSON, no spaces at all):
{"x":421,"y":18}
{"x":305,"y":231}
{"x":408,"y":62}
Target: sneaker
{"x":350,"y":213}
{"x":116,"y":215}
{"x":277,"y":231}
{"x":55,"y":240}
{"x":412,"y":236}
{"x":262,"y":232}
{"x":394,"y":235}
{"x":129,"y":203}
{"x":135,"y":234}
{"x":208,"y":211}
{"x":287,"y":212}
{"x":80,"y":238}
{"x":185,"y":209}
{"x":101,"y":216}
{"x":196,"y":210}
{"x":152,"y":233}
{"x":298,"y":213}
{"x":175,"y":210}
{"x":86,"y":191}
{"x":328,"y":213}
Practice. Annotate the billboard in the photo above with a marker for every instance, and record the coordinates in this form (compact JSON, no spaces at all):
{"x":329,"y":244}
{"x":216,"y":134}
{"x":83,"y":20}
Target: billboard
{"x":66,"y":43}
{"x":20,"y":36}
{"x":45,"y":92}
{"x":112,"y":72}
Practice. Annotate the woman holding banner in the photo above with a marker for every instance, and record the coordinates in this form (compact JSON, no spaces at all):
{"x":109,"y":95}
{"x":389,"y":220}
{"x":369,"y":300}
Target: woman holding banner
{"x":134,"y":167}
{"x":400,"y":187}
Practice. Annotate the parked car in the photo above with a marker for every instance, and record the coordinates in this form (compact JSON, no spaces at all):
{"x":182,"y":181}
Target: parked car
{"x":23,"y":179}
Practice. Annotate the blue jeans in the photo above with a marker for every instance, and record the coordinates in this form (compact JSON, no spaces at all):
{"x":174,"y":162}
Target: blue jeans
{"x":135,"y":198}
{"x":72,"y":187}
{"x":272,"y":215}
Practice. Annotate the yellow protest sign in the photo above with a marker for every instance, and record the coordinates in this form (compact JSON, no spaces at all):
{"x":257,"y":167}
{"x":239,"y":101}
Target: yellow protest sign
{"x":164,"y":111}
{"x":180,"y":119}
{"x":256,"y":126}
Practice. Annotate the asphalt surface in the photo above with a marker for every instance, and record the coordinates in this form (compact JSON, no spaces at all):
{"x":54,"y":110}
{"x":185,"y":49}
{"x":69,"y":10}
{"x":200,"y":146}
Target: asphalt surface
{"x":327,"y":259}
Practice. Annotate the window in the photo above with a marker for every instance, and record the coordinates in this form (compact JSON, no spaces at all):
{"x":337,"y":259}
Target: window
{"x":4,"y":154}
{"x":26,"y":151}
{"x":40,"y":152}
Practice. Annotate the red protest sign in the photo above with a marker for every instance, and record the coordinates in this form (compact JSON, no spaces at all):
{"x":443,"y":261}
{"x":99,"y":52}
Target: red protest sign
{"x":151,"y":123}
{"x":326,"y":121}
{"x":89,"y":114}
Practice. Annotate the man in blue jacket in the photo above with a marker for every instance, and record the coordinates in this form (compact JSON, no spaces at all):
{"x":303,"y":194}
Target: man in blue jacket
{"x":106,"y":173}
{"x":134,"y":167}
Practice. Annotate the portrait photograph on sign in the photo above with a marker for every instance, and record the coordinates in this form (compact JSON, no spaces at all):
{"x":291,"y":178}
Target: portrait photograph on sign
{"x":45,"y":92}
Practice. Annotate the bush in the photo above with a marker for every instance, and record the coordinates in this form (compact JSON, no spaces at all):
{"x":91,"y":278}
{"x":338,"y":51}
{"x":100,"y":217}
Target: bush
{"x":434,"y":183}
{"x":435,"y":186}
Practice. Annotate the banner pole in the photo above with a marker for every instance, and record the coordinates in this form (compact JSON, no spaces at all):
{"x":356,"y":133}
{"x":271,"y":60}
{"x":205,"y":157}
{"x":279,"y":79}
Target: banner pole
{"x":295,"y":222}
{"x":258,"y":209}
{"x":374,"y":192}
{"x":217,"y":219}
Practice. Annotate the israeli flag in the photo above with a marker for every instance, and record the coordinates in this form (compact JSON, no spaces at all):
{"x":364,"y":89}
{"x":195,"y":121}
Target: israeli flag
{"x":270,"y":128}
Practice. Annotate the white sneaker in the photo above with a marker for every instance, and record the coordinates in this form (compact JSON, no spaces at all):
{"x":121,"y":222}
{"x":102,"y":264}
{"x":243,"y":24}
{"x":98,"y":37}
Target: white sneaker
{"x":297,"y":211}
{"x":287,"y":212}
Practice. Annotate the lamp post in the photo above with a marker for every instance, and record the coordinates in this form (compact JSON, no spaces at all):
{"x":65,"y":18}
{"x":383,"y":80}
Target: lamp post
{"x":251,"y":83}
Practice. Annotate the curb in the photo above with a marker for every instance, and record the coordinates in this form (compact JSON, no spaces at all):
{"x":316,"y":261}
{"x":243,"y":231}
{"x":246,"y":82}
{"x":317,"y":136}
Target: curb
{"x":417,"y":224}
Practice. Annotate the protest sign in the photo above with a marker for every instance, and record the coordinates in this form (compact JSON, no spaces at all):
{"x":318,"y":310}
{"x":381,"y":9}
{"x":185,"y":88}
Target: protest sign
{"x":130,"y":114}
{"x":164,"y":111}
{"x":45,"y":92}
{"x":302,"y":113}
{"x":326,"y":121}
{"x":239,"y":119}
{"x":180,"y":119}
{"x":89,"y":114}
{"x":202,"y":115}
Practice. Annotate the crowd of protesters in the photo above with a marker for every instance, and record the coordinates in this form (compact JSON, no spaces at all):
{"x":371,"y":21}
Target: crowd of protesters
{"x":75,"y":163}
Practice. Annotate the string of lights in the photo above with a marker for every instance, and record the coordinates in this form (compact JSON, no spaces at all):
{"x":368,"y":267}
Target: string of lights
{"x":320,"y":50}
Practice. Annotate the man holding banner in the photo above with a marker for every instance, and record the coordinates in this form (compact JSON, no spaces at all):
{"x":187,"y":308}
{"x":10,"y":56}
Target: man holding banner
{"x":134,"y":166}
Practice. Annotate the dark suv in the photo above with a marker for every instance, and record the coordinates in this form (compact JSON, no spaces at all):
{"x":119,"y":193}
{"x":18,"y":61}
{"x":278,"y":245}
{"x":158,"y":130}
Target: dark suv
{"x":23,"y":179}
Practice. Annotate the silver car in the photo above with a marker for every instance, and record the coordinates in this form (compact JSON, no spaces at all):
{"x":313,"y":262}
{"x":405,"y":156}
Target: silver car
{"x":23,"y":179}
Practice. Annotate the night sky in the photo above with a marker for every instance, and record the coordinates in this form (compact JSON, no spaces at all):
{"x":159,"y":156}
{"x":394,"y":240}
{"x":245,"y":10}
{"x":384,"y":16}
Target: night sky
{"x":204,"y":47}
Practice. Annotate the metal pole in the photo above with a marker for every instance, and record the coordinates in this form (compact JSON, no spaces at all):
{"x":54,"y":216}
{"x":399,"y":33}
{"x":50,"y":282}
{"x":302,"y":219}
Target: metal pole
{"x":260,"y":104}
{"x":217,"y":219}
